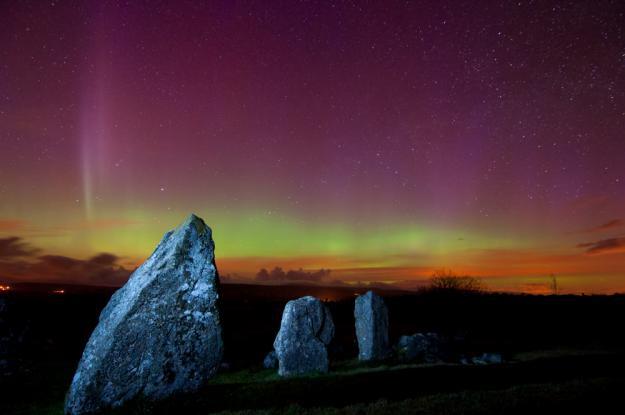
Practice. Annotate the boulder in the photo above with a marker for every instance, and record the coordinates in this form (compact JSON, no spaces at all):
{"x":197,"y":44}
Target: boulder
{"x":160,"y":333}
{"x":305,"y":331}
{"x":271,"y":360}
{"x":422,"y":347}
{"x":487,"y":359}
{"x":371,"y":316}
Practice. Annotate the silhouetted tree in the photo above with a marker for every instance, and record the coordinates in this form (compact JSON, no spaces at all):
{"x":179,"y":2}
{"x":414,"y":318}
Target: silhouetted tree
{"x":446,"y":280}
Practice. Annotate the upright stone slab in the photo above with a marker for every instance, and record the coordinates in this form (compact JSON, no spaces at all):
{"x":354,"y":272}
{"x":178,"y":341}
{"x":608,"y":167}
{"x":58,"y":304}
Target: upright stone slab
{"x":305,"y":331}
{"x":160,"y":333}
{"x":371,"y":316}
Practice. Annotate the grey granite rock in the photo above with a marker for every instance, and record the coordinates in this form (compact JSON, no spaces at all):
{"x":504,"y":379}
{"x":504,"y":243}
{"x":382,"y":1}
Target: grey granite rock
{"x":160,"y":333}
{"x":371,"y":317}
{"x":305,"y":331}
{"x":488,"y":359}
{"x":271,"y":360}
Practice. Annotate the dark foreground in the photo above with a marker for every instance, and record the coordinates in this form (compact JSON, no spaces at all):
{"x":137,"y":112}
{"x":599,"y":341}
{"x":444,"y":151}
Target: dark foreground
{"x":562,"y":354}
{"x":575,"y":384}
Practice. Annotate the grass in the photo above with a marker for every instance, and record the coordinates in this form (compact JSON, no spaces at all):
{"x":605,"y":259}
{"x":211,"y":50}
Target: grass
{"x":537,"y":380}
{"x":343,"y":368}
{"x":571,"y":396}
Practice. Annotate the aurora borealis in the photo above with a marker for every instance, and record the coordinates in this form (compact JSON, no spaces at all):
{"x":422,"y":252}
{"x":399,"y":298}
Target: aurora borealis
{"x":381,"y":140}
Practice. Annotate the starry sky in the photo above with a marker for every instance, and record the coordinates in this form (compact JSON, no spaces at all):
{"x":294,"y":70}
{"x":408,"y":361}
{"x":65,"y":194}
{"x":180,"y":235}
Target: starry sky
{"x":379,"y":140}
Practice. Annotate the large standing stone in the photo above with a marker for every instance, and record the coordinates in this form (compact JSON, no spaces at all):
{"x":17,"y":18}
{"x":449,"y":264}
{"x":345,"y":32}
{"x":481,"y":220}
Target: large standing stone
{"x":305,"y":331}
{"x":371,"y":317}
{"x":160,"y":333}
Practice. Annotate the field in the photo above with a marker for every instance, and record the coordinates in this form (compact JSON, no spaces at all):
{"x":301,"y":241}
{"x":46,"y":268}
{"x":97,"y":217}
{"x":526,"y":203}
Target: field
{"x":562,"y":353}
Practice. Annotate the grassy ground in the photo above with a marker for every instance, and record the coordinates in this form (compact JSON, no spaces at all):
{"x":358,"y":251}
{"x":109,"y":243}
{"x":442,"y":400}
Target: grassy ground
{"x":575,"y":396}
{"x":559,"y":380}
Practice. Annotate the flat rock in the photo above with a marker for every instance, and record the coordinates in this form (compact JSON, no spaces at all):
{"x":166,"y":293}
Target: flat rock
{"x":160,"y":333}
{"x":305,"y":331}
{"x":371,"y":317}
{"x":487,"y":359}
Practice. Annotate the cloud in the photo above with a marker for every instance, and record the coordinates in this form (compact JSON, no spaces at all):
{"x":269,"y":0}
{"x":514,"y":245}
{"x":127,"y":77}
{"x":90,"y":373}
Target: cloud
{"x":604,"y":246}
{"x":11,"y":225}
{"x":14,"y":247}
{"x":614,"y":223}
{"x":105,"y":259}
{"x":20,"y":262}
{"x":536,"y":288}
{"x":278,"y":274}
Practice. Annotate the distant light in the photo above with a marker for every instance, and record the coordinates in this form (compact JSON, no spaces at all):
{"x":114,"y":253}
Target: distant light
{"x":5,"y":287}
{"x":58,"y":292}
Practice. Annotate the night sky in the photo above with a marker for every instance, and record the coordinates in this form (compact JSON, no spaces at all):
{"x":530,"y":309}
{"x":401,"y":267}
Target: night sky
{"x":380,"y":140}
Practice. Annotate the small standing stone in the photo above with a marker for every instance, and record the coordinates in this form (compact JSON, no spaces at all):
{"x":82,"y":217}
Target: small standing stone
{"x":371,"y":317}
{"x":305,"y":331}
{"x":271,"y":360}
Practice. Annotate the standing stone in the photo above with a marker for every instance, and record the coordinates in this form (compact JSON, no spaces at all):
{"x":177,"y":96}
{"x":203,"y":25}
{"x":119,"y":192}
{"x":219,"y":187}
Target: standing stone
{"x":371,"y":317}
{"x":160,"y":333}
{"x":305,"y":331}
